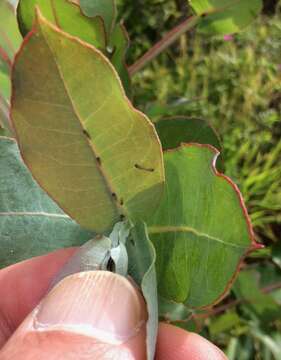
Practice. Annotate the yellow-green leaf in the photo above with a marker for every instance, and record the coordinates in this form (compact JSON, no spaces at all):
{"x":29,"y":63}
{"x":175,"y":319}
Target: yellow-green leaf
{"x":86,"y":145}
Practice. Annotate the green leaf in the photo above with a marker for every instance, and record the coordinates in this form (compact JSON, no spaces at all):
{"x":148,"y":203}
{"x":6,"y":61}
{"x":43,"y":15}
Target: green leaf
{"x":91,"y":256}
{"x":67,"y":16}
{"x":200,"y":231}
{"x":10,"y":38}
{"x":177,"y":130}
{"x":31,"y":223}
{"x":226,"y":16}
{"x":5,"y":85}
{"x":142,"y":269}
{"x":97,"y":253}
{"x":98,"y":157}
{"x":106,"y":9}
{"x":119,"y":45}
{"x":9,"y":42}
{"x":5,"y":125}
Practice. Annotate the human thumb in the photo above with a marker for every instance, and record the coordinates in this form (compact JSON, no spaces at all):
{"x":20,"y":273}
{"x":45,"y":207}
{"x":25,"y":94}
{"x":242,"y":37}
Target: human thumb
{"x":89,"y":315}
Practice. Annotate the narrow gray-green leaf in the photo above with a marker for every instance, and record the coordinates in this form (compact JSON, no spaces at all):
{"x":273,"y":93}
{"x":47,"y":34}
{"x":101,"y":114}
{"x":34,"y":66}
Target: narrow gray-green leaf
{"x":142,"y":269}
{"x":201,"y":230}
{"x":92,"y":256}
{"x":98,"y":157}
{"x":31,"y":223}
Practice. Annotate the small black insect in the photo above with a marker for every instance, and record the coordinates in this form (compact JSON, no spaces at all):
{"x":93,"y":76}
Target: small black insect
{"x":139,"y":167}
{"x":122,"y":217}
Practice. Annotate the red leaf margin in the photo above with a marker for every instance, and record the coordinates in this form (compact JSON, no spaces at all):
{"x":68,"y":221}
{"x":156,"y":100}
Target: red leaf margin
{"x":254,"y":245}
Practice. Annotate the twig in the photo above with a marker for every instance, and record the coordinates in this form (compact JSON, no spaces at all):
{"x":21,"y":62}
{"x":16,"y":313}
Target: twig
{"x":164,"y":43}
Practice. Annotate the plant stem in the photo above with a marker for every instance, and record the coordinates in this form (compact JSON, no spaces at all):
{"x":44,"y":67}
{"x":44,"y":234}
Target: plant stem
{"x":164,"y":43}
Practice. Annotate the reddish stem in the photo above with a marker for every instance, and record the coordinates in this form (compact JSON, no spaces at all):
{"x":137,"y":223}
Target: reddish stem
{"x":164,"y":43}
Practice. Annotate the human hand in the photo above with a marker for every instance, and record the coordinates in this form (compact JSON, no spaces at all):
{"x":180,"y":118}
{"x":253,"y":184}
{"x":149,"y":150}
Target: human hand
{"x":91,"y":315}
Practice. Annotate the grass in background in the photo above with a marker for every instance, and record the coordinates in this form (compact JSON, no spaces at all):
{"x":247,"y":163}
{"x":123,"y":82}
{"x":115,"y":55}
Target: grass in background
{"x":236,"y":85}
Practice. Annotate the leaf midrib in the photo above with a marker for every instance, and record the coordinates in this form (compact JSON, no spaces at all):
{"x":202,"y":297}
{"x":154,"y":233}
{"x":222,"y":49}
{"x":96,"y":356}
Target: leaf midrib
{"x":158,"y":229}
{"x":33,"y":213}
{"x":104,"y":176}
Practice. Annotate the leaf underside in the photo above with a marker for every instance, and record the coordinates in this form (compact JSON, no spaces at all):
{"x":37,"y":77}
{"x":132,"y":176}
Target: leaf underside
{"x":90,"y":24}
{"x":79,"y":135}
{"x":31,"y":224}
{"x":200,"y":231}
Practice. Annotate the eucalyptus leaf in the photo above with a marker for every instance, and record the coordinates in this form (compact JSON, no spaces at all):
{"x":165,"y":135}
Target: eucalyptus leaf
{"x":226,"y":16}
{"x":9,"y":42}
{"x":5,"y":85}
{"x":201,"y":230}
{"x":176,"y":130}
{"x":10,"y":38}
{"x":5,"y":125}
{"x":142,"y":269}
{"x":118,"y":252}
{"x":106,"y":9}
{"x":119,"y":43}
{"x":65,"y":15}
{"x":97,"y":157}
{"x":31,"y":223}
{"x":92,"y":256}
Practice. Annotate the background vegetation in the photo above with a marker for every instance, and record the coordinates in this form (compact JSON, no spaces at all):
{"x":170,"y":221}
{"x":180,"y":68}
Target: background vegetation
{"x":234,"y":83}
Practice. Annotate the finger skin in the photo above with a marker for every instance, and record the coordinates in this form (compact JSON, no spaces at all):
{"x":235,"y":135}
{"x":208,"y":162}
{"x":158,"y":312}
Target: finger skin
{"x":24,"y":284}
{"x":89,"y":315}
{"x":177,"y":344}
{"x":67,"y":346}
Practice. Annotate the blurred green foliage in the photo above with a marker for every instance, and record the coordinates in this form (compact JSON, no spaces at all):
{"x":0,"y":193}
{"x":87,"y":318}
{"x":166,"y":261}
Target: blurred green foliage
{"x":235,"y":84}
